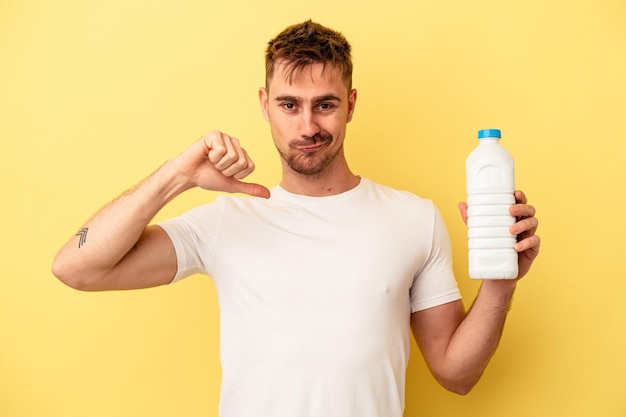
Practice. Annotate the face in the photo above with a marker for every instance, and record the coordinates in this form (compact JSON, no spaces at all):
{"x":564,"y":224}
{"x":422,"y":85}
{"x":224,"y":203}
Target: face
{"x":308,"y":117}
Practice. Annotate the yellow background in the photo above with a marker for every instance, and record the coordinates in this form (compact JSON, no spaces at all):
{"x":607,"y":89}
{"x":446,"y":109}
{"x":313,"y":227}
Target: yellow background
{"x":94,"y":95}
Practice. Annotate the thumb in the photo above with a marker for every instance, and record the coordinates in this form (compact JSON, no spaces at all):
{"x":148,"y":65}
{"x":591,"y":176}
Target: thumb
{"x":250,"y":188}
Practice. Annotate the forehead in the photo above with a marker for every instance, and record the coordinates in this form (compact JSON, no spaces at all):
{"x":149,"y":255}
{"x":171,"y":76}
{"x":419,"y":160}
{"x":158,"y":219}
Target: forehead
{"x":313,"y":77}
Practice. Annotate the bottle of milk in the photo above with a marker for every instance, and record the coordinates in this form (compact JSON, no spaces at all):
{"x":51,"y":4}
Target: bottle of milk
{"x":490,"y":193}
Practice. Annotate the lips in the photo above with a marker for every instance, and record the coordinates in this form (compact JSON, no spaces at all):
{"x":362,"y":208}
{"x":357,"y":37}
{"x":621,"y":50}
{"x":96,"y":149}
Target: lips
{"x":311,"y":145}
{"x":311,"y":148}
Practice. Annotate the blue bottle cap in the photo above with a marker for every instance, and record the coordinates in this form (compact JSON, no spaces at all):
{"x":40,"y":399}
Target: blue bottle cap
{"x":489,"y":133}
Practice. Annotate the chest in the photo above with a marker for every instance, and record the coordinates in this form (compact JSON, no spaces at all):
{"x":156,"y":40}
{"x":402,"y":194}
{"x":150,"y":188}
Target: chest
{"x":293,"y":257}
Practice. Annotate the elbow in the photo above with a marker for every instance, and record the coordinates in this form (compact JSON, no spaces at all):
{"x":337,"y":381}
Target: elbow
{"x":460,"y":386}
{"x":66,"y":278}
{"x":69,"y":276}
{"x":461,"y":389}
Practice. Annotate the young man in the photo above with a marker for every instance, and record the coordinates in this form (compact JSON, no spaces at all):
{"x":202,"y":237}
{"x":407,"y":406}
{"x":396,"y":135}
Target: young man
{"x":319,"y":280}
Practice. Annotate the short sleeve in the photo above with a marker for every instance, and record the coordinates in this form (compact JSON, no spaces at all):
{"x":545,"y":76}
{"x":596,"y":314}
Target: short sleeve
{"x":434,"y":284}
{"x":192,"y":235}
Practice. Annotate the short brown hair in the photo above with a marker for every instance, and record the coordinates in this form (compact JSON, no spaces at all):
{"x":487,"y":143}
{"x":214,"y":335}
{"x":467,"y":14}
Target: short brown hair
{"x":308,"y":43}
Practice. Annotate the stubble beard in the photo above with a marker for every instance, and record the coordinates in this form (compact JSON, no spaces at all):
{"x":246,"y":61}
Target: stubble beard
{"x":309,"y":164}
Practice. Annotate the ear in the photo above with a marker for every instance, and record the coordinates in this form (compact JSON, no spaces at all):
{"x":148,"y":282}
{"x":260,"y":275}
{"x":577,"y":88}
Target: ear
{"x":264,"y":101}
{"x":351,"y":104}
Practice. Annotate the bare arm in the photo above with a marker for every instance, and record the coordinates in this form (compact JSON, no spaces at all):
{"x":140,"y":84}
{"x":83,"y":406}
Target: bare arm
{"x":458,"y":346}
{"x":117,"y":249}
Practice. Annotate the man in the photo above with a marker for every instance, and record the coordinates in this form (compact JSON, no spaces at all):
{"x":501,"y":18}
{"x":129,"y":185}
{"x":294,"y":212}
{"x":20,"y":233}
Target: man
{"x":319,"y":280}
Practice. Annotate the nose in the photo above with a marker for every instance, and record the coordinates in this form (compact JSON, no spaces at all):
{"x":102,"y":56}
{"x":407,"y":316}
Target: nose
{"x":309,"y":126}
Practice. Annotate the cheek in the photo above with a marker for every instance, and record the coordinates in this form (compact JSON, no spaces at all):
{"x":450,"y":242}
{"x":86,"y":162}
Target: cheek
{"x":281,"y":124}
{"x":334,"y":125}
{"x":277,"y":125}
{"x":280,"y":132}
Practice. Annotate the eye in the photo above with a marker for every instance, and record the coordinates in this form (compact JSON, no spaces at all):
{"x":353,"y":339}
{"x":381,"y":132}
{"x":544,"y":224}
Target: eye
{"x":289,"y":106}
{"x":325,"y":106}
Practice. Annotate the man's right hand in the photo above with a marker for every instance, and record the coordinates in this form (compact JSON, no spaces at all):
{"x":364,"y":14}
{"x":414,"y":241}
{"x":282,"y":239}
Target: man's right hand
{"x":217,"y":162}
{"x":118,"y":249}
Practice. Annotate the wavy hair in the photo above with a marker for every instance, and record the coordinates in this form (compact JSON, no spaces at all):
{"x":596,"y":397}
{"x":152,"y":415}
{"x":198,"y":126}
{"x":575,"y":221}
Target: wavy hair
{"x":305,"y":44}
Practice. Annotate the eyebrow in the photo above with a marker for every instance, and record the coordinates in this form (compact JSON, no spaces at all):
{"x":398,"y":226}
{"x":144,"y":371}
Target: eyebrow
{"x":318,"y":99}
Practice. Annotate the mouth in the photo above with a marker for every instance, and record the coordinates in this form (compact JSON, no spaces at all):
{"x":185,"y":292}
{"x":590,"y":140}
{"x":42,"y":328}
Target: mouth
{"x":311,"y":145}
{"x":311,"y":148}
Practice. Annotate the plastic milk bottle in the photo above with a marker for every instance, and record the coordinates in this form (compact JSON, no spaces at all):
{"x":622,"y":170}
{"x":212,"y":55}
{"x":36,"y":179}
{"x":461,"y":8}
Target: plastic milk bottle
{"x":490,"y":188}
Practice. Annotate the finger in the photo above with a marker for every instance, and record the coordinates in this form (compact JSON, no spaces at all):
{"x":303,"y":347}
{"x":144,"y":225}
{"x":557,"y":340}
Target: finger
{"x":528,"y":225}
{"x":232,"y":156}
{"x":463,"y":210}
{"x":246,"y":168}
{"x":520,"y":197}
{"x":530,"y":244}
{"x":227,"y":155}
{"x":214,"y":142}
{"x":522,"y":210}
{"x":240,"y":167}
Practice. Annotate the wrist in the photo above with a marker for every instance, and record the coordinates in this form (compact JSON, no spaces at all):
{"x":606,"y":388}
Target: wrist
{"x":499,"y":292}
{"x":169,"y":181}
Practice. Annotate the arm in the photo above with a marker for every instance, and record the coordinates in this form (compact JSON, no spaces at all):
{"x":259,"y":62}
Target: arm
{"x":458,"y":346}
{"x":118,"y":249}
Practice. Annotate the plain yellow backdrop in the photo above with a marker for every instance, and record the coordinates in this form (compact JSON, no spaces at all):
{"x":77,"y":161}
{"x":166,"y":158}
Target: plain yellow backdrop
{"x":94,"y":95}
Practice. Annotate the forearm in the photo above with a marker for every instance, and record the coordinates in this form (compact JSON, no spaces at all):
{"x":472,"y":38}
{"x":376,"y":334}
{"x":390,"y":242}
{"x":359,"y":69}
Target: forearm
{"x":478,"y":335}
{"x":114,"y":230}
{"x":116,"y":249}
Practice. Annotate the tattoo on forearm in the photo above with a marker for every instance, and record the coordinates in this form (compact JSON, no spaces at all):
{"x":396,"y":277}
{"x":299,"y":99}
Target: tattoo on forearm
{"x":83,"y":236}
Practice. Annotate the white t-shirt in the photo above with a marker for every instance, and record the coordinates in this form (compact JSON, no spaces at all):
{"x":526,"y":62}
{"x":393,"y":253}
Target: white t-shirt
{"x":315,"y":295}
